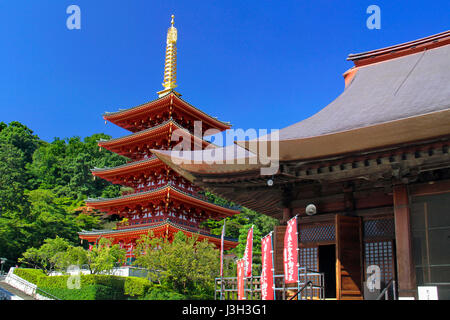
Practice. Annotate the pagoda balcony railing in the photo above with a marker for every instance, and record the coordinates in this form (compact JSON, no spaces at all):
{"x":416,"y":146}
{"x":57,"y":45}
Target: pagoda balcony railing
{"x":192,"y":191}
{"x":171,"y":184}
{"x":143,"y":222}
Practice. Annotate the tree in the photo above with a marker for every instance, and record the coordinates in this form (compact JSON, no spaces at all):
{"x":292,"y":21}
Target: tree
{"x":42,"y":184}
{"x":15,"y":237}
{"x":58,"y":254}
{"x":50,"y":217}
{"x":13,"y":179}
{"x":64,"y":167}
{"x":104,"y":256}
{"x":21,"y":137}
{"x":235,"y":223}
{"x":72,"y":256}
{"x":186,"y":265}
{"x":48,"y":256}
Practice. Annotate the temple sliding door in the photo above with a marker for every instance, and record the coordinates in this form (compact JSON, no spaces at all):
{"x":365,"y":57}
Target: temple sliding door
{"x":348,"y":258}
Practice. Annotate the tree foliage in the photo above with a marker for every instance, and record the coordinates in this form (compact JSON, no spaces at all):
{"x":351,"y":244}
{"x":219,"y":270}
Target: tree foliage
{"x":48,"y":256}
{"x":105,"y":256}
{"x":42,"y":184}
{"x":64,"y":167}
{"x":58,"y":254}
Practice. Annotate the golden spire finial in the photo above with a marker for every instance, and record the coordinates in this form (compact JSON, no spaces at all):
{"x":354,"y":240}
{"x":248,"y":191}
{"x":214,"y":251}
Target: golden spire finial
{"x":170,"y":66}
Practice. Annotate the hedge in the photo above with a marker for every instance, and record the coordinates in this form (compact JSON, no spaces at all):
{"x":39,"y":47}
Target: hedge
{"x":136,"y":287}
{"x":158,"y":292}
{"x":31,"y":275}
{"x":85,"y":293}
{"x":108,"y":287}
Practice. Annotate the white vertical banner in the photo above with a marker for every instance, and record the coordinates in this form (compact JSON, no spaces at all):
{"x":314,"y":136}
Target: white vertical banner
{"x":290,"y":252}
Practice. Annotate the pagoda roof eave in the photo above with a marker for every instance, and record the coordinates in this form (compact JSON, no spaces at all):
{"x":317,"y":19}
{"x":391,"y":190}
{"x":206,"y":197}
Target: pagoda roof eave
{"x":235,"y":161}
{"x":153,"y":130}
{"x":114,"y":116}
{"x":157,"y":193}
{"x":127,"y":167}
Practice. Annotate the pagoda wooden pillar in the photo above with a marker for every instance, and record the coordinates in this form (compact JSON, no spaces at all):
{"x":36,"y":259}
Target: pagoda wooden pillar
{"x":405,"y":264}
{"x":287,"y":214}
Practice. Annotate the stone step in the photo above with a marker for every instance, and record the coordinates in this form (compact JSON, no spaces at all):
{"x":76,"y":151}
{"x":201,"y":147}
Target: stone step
{"x":15,"y":291}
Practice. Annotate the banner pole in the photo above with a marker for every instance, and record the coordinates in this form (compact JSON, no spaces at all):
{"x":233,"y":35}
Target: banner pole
{"x":221,"y":260}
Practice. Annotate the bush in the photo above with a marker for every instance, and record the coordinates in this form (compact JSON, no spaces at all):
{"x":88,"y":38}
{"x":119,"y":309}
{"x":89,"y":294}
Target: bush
{"x":93,"y":287}
{"x":136,"y":286}
{"x":157,"y":292}
{"x":31,"y":275}
{"x":85,"y":293}
{"x":115,"y":282}
{"x":89,"y":292}
{"x":52,"y":282}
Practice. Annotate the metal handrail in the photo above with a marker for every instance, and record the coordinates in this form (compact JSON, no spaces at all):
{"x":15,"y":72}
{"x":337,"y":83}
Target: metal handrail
{"x":385,"y":291}
{"x":45,"y":293}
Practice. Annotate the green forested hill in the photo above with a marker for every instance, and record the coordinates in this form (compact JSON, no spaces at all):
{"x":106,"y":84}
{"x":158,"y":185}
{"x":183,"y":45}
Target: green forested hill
{"x":42,"y":183}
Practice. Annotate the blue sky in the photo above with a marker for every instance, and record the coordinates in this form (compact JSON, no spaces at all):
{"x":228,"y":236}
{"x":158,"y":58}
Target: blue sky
{"x":257,"y":64}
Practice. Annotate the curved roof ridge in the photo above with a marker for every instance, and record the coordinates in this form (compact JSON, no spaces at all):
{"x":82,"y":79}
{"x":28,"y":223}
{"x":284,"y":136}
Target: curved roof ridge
{"x":146,"y":104}
{"x":162,"y":124}
{"x":435,"y":40}
{"x":128,"y":164}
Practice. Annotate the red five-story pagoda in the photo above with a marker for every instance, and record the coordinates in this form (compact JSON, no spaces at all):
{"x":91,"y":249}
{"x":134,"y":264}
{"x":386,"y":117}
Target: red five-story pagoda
{"x":163,"y":201}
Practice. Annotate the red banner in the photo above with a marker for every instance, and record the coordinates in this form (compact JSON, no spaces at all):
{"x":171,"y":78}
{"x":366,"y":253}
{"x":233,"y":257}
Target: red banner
{"x":248,"y":254}
{"x":221,"y":249}
{"x":267,"y":284}
{"x":290,"y":253}
{"x":240,"y":279}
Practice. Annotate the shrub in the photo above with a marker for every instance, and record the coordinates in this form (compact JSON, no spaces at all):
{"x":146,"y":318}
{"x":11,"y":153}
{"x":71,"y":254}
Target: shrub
{"x":85,"y":293}
{"x":136,"y":286}
{"x":115,"y":282}
{"x":157,"y":292}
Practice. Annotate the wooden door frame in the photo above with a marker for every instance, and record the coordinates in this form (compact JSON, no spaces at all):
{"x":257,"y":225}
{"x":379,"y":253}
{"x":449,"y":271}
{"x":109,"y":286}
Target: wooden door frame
{"x":338,"y":262}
